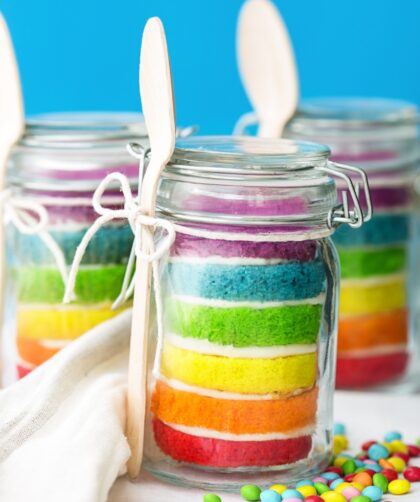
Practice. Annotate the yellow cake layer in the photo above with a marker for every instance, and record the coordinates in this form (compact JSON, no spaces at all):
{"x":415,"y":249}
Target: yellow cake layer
{"x":59,"y":322}
{"x":371,"y":297}
{"x":248,"y":376}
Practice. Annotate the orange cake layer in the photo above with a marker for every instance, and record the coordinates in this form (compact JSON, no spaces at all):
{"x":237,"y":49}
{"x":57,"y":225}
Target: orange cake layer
{"x":236,"y":416}
{"x":361,"y":332}
{"x":34,"y":352}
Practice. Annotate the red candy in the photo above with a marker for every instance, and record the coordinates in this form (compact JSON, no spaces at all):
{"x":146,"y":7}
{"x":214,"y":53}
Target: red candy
{"x":333,"y":468}
{"x":349,"y":477}
{"x":412,"y":473}
{"x":362,"y":457}
{"x":370,"y":472}
{"x":413,"y":450}
{"x":390,"y":474}
{"x":404,"y":456}
{"x":314,"y":498}
{"x":367,"y":445}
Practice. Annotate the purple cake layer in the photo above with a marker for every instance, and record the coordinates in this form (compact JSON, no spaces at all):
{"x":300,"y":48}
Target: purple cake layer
{"x":188,"y":245}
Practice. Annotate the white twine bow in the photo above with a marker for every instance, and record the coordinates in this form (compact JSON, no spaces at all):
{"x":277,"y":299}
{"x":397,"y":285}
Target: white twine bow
{"x":31,"y":218}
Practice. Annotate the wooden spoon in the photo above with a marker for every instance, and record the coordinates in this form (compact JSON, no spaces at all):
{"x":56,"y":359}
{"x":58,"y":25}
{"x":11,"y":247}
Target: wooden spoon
{"x":159,"y":114}
{"x":267,"y":66}
{"x":12,"y":124}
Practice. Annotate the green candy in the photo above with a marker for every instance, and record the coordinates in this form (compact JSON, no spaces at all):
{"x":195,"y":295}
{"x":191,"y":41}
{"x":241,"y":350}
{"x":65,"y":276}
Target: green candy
{"x":321,"y":488}
{"x":349,"y":467}
{"x":361,"y":498}
{"x":211,"y":497}
{"x":250,"y":492}
{"x":360,"y":469}
{"x":380,"y":481}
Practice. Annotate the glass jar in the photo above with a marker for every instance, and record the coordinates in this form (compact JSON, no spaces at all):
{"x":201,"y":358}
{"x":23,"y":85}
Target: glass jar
{"x":51,"y":176}
{"x":376,"y":340}
{"x":243,"y":374}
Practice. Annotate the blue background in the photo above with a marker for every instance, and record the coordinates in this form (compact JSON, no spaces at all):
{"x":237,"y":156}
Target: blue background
{"x":83,"y":54}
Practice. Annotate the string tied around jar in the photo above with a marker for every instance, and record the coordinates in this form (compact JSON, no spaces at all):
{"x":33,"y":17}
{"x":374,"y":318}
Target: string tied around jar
{"x":31,"y":218}
{"x":134,"y":214}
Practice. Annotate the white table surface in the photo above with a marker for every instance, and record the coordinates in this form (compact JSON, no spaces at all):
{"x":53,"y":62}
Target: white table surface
{"x":366,"y":415}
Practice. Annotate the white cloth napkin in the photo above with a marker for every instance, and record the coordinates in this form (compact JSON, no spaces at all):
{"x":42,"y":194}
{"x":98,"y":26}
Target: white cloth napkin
{"x":62,"y":427}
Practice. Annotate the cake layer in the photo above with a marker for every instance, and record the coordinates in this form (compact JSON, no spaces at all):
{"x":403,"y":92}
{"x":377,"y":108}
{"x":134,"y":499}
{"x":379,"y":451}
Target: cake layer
{"x":244,"y":326}
{"x":286,"y":281}
{"x":36,"y":352}
{"x":111,"y":244}
{"x":368,"y":371}
{"x":360,"y":332}
{"x":235,"y":416}
{"x":222,"y":453}
{"x":23,"y":370}
{"x":366,"y":262}
{"x":189,"y":245}
{"x":260,"y":376}
{"x":374,"y":295}
{"x":45,"y":285}
{"x":60,"y":322}
{"x":386,"y":228}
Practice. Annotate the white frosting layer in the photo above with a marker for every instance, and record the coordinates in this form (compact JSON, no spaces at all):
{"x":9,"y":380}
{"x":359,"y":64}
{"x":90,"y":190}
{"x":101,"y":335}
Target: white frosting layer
{"x":53,"y":307}
{"x":206,"y":347}
{"x":208,"y":302}
{"x":221,"y":260}
{"x":373,"y":281}
{"x":227,"y":436}
{"x":230,"y":396}
{"x":381,"y":350}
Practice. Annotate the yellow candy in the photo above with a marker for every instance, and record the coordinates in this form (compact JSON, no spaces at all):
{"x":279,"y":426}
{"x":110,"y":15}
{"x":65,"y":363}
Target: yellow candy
{"x":340,"y":461}
{"x":359,"y":487}
{"x":333,"y":497}
{"x":398,"y":446}
{"x":399,"y":487}
{"x":341,"y":440}
{"x":341,"y":487}
{"x":278,"y":488}
{"x":397,"y":463}
{"x":306,"y":491}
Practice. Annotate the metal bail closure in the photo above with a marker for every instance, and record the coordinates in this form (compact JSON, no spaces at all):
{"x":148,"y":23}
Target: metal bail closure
{"x":353,"y":215}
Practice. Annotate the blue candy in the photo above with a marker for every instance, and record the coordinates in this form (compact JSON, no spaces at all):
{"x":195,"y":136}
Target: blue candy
{"x":290,"y":494}
{"x":359,"y":463}
{"x":270,"y":496}
{"x":373,"y":492}
{"x":391,"y":436}
{"x":339,"y":429}
{"x":329,"y":476}
{"x":377,"y":452}
{"x":306,"y":482}
{"x":336,"y":482}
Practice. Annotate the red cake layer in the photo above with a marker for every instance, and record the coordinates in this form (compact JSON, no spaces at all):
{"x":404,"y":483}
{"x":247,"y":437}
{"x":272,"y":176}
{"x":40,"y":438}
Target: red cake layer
{"x":222,"y":453}
{"x":368,"y":371}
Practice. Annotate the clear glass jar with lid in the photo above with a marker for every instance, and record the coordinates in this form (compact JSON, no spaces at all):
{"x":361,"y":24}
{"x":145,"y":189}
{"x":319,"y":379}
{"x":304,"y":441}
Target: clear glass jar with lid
{"x":377,"y":345}
{"x":51,"y":176}
{"x":243,"y":350}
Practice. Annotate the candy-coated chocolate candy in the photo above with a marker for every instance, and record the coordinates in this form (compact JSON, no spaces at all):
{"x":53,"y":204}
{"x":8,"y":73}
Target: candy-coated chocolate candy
{"x":390,"y":474}
{"x":358,"y":486}
{"x":320,"y":479}
{"x":329,"y":476}
{"x":399,"y":487}
{"x":350,"y":492}
{"x":341,"y":487}
{"x":412,"y":473}
{"x":336,"y":483}
{"x":291,"y":493}
{"x":250,"y":492}
{"x":333,"y":497}
{"x":212,"y":497}
{"x":404,"y":456}
{"x":367,"y":445}
{"x":380,"y":481}
{"x":413,"y":450}
{"x":307,"y":490}
{"x":278,"y":488}
{"x":340,"y":461}
{"x":418,"y":442}
{"x":377,"y":452}
{"x":359,"y":463}
{"x":363,"y":478}
{"x":398,"y":446}
{"x":340,"y":429}
{"x":333,"y":468}
{"x":305,"y":482}
{"x":314,"y":498}
{"x":294,"y":499}
{"x":391,"y":436}
{"x":373,"y":492}
{"x":360,"y":498}
{"x":398,"y":463}
{"x":373,"y":467}
{"x":349,"y":478}
{"x":321,"y":487}
{"x":270,"y":496}
{"x":349,"y":467}
{"x":386,"y":465}
{"x":371,"y":472}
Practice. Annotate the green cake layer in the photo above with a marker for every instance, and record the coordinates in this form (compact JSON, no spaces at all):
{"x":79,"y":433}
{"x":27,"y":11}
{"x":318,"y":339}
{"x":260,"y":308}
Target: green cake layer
{"x":245,"y":326}
{"x":45,"y":285}
{"x":359,"y":262}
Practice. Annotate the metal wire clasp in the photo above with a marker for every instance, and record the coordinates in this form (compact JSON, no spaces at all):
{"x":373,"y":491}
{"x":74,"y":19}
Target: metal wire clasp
{"x":353,"y":215}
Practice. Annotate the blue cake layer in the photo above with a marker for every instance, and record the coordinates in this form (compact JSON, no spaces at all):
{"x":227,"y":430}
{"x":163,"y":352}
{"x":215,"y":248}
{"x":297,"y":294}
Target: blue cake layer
{"x":381,"y":229}
{"x":285,"y":281}
{"x":110,"y":245}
